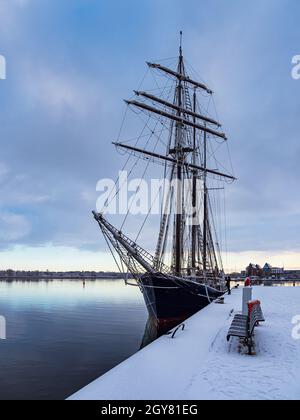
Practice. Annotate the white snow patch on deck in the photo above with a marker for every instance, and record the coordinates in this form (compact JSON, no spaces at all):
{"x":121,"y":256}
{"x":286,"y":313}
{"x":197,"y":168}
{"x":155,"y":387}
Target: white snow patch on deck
{"x":200,"y":364}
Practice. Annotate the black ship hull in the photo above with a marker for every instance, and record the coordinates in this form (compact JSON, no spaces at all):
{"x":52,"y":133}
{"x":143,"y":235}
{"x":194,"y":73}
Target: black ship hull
{"x":173,"y":300}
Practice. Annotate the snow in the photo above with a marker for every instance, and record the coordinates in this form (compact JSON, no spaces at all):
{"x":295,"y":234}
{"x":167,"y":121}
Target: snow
{"x":200,"y":364}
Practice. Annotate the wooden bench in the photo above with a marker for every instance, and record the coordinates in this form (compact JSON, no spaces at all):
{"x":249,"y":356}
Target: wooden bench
{"x":243,"y":325}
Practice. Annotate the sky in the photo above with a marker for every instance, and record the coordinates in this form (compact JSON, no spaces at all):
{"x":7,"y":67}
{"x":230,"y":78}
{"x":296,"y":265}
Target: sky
{"x":70,"y":64}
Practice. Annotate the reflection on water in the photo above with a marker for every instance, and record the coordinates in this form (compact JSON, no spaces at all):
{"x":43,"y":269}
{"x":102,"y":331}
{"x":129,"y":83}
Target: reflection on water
{"x":287,"y":284}
{"x":275,"y":283}
{"x":61,"y":335}
{"x":154,"y":331}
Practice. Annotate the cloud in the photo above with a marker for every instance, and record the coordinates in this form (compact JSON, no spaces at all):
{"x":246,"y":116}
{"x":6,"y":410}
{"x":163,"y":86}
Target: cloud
{"x":10,"y":13}
{"x":3,"y":170}
{"x":59,"y":93}
{"x":71,"y":63}
{"x":13,"y":227}
{"x":19,"y":189}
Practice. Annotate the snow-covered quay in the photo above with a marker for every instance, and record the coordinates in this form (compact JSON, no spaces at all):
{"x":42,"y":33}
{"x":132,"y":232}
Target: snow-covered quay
{"x":200,"y":364}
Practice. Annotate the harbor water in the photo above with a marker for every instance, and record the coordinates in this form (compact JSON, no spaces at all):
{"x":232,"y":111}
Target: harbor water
{"x":61,"y":335}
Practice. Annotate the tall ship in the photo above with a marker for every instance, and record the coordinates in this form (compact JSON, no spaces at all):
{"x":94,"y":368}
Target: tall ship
{"x":184,"y":272}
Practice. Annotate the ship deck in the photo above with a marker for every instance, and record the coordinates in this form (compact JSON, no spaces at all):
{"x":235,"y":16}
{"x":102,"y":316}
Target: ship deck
{"x":200,"y":364}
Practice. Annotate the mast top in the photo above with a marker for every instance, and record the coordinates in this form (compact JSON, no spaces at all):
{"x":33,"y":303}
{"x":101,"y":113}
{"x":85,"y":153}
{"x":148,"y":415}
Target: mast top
{"x":180,"y":47}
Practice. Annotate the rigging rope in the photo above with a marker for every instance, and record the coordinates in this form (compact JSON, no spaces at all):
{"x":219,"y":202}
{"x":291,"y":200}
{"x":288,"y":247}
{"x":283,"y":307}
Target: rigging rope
{"x":142,"y":178}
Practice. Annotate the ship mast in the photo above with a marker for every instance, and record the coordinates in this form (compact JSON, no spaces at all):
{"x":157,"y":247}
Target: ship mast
{"x":205,"y":212}
{"x":187,"y":124}
{"x":194,"y":193}
{"x":179,"y":157}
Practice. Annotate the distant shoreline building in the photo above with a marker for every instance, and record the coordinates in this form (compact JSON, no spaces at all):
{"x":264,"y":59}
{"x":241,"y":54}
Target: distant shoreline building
{"x":269,"y":271}
{"x":255,"y":270}
{"x":51,"y":275}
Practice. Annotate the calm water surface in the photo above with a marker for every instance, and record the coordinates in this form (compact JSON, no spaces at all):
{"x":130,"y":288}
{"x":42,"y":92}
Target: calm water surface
{"x":61,"y":335}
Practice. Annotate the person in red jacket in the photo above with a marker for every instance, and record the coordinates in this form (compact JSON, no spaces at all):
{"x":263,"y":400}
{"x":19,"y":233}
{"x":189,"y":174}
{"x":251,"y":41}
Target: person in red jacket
{"x":248,"y":282}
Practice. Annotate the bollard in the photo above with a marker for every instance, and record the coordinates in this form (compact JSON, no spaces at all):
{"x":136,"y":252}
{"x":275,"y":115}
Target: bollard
{"x":247,"y":297}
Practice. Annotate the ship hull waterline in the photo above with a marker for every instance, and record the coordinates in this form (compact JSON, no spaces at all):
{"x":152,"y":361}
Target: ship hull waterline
{"x":170,"y":301}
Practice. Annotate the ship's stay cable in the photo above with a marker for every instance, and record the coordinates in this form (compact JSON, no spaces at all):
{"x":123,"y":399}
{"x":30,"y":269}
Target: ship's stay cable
{"x":158,"y":120}
{"x":133,"y":139}
{"x":158,"y":139}
{"x":145,"y":171}
{"x":196,"y":75}
{"x":118,"y":178}
{"x":215,"y":107}
{"x":226,"y":239}
{"x":119,"y":136}
{"x":111,"y":251}
{"x":189,"y":217}
{"x":138,"y":158}
{"x":227,"y":145}
{"x":148,"y":214}
{"x":137,"y":190}
{"x":212,"y":221}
